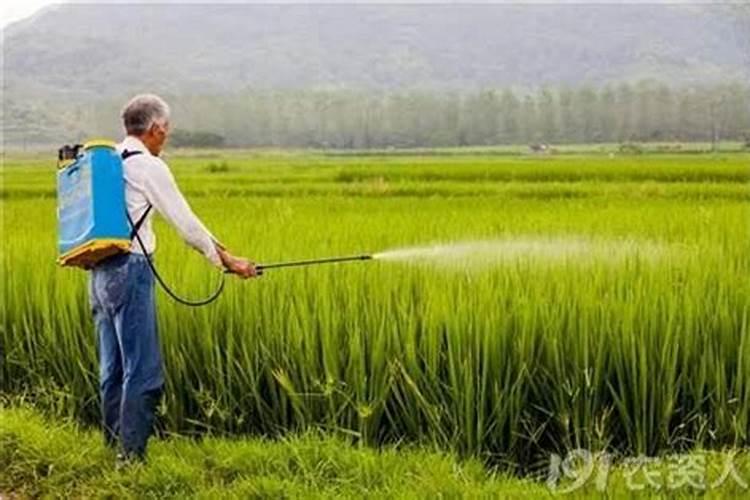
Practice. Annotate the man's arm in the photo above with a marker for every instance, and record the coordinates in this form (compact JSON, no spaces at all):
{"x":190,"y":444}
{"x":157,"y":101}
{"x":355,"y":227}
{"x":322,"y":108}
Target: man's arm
{"x":165,"y":196}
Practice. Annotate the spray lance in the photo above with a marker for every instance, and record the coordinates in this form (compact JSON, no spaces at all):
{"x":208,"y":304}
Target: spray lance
{"x":313,"y":262}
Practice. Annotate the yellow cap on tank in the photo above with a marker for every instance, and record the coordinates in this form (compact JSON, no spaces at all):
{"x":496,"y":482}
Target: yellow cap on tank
{"x":105,"y":143}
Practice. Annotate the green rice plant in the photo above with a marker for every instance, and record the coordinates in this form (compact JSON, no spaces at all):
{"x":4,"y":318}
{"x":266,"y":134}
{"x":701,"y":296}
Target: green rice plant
{"x":642,"y":346}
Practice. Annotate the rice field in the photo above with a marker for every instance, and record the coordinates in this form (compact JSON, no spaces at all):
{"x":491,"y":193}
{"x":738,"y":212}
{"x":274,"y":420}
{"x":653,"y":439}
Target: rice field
{"x":551,"y":303}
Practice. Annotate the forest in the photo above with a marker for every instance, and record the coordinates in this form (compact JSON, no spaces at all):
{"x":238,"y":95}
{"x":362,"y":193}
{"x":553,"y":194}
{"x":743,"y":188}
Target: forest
{"x":645,"y":111}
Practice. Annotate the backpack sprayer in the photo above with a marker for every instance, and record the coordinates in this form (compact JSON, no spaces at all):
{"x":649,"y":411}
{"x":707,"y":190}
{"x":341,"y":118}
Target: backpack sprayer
{"x":93,"y":221}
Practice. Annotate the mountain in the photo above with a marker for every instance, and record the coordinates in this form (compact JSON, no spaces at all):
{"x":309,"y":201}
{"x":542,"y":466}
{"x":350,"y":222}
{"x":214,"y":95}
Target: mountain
{"x":73,"y":55}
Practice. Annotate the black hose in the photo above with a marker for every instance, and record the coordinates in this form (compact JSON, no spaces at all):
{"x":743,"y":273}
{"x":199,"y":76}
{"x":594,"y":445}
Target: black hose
{"x":191,"y":303}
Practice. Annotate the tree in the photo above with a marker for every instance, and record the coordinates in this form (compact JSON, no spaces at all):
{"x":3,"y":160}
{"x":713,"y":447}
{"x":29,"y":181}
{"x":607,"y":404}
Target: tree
{"x":568,"y":123}
{"x":586,"y":108}
{"x":607,"y":115}
{"x":547,"y":119}
{"x":509,"y":128}
{"x":529,"y":123}
{"x":625,"y":112}
{"x":664,"y":117}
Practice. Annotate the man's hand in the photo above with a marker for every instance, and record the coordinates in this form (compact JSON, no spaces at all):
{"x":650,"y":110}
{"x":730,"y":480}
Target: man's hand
{"x":238,"y":265}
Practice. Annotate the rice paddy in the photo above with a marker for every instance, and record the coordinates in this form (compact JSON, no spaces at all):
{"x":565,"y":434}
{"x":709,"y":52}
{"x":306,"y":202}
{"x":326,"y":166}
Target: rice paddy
{"x":518,"y":305}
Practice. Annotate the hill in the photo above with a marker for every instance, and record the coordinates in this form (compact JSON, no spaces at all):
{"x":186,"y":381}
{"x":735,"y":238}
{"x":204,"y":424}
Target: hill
{"x":61,"y":63}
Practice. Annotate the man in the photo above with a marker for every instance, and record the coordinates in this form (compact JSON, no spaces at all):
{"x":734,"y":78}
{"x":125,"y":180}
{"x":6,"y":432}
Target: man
{"x":122,"y":287}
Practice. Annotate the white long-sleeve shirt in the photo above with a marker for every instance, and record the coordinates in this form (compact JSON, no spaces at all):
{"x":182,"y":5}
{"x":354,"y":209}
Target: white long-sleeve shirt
{"x":148,"y":180}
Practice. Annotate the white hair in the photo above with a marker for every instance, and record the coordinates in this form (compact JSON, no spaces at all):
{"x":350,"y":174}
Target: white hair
{"x":142,"y":111}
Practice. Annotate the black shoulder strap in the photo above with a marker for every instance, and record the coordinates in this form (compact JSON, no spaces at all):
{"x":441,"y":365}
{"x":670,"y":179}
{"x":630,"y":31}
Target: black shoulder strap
{"x":138,"y":224}
{"x":125,"y":155}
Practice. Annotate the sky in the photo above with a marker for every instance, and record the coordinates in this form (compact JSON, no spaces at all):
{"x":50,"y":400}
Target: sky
{"x":15,"y":10}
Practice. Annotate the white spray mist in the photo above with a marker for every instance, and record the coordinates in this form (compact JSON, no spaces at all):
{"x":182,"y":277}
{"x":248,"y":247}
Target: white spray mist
{"x":523,"y":249}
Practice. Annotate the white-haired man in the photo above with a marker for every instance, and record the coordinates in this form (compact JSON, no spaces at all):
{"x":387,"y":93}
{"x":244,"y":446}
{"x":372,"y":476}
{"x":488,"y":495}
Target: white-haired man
{"x":122,"y":287}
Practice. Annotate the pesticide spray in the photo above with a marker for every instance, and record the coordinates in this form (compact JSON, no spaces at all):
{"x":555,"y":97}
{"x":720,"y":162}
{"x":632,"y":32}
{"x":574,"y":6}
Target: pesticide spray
{"x":484,"y":253}
{"x":527,"y":249}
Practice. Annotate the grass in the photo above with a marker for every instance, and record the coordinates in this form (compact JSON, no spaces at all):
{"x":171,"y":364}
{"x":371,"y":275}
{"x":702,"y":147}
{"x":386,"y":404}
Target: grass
{"x":42,"y":457}
{"x":39,"y":457}
{"x":505,"y":363}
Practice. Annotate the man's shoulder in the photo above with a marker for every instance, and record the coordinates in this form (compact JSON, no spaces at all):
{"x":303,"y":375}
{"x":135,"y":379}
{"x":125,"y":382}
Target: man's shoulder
{"x":138,"y":158}
{"x":158,"y":162}
{"x":147,"y":170}
{"x":132,"y":148}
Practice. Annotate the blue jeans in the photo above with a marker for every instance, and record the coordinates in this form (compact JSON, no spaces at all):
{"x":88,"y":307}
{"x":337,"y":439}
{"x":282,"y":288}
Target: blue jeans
{"x":131,"y":379}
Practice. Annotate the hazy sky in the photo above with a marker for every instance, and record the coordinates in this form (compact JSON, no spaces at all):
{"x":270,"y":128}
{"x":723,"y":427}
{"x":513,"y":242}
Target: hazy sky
{"x":13,"y":10}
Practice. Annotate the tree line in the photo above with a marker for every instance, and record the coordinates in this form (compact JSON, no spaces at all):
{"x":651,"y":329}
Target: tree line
{"x":339,"y":118}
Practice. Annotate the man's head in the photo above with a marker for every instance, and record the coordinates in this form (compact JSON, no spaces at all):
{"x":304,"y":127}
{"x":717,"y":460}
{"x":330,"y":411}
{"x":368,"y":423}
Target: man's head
{"x":146,"y":117}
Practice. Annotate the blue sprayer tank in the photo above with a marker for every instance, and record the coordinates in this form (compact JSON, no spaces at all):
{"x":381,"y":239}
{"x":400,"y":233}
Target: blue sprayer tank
{"x":91,"y":210}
